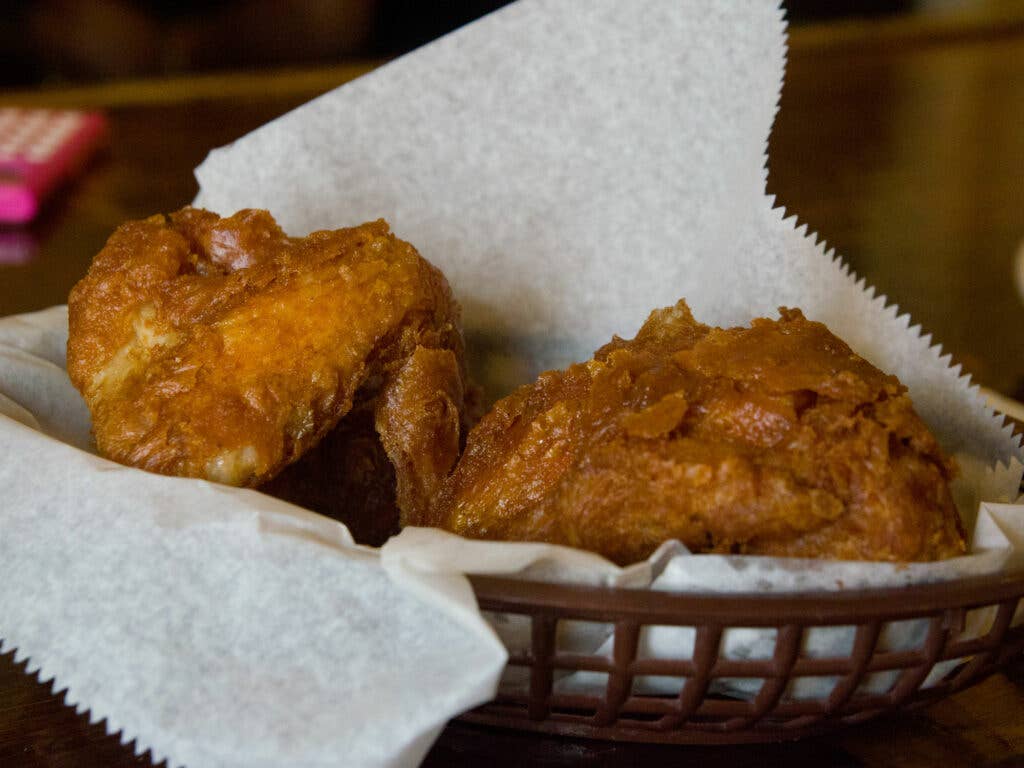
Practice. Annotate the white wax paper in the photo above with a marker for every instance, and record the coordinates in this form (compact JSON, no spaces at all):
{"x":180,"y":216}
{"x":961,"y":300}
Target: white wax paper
{"x":217,"y":626}
{"x":570,"y":165}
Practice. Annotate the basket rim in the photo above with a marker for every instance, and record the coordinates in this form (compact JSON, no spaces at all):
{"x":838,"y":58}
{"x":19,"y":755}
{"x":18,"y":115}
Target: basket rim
{"x":823,"y":607}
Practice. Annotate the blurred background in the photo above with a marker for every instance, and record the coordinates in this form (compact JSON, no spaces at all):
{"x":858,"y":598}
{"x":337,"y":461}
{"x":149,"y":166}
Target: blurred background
{"x":69,"y":41}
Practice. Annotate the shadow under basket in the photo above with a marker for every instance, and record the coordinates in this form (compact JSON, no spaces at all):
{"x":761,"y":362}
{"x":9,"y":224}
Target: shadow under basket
{"x":869,"y":680}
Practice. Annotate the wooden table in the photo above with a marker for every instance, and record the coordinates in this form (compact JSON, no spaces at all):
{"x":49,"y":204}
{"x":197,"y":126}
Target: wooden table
{"x":901,"y":142}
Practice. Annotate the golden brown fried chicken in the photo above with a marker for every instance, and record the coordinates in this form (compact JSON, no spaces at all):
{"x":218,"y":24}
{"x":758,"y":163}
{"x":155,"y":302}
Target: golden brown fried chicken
{"x":224,"y":349}
{"x":775,"y":439}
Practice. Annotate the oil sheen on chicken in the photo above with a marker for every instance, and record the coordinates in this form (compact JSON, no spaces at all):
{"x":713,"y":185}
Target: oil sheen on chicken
{"x":774,"y":439}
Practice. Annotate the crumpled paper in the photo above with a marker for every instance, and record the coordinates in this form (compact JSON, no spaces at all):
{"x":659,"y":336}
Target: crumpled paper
{"x":570,"y":165}
{"x":215,"y":625}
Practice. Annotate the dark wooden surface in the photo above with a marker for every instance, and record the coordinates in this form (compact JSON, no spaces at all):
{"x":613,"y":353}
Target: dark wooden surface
{"x":902,"y":143}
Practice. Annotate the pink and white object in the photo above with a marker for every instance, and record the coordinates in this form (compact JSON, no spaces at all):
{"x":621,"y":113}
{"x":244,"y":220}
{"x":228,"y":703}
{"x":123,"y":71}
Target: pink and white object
{"x":40,"y":148}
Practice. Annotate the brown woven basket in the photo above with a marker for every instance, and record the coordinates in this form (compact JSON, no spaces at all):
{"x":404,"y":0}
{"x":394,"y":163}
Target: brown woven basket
{"x":695,"y":714}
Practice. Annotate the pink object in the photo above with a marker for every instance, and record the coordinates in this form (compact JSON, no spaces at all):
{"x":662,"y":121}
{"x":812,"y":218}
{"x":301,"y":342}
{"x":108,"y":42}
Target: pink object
{"x":39,"y":148}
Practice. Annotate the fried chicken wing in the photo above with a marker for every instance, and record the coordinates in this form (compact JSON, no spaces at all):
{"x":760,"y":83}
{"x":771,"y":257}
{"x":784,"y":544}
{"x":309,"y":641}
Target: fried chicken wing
{"x":774,"y":439}
{"x":224,"y":349}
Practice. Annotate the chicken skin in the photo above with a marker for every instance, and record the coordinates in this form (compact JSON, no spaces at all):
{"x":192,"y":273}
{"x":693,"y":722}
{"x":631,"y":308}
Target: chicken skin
{"x":774,"y":439}
{"x":220,"y":348}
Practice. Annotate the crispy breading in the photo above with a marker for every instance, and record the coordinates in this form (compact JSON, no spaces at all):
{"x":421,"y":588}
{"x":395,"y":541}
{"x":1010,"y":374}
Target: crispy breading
{"x":224,"y":349}
{"x":774,"y":439}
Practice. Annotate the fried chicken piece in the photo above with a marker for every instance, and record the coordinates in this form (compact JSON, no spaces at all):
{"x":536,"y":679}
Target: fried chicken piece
{"x":351,"y":476}
{"x":775,"y":439}
{"x":224,"y":349}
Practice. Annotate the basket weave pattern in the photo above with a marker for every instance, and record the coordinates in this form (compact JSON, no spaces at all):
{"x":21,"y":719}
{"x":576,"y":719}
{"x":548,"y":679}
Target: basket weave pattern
{"x":695,"y":714}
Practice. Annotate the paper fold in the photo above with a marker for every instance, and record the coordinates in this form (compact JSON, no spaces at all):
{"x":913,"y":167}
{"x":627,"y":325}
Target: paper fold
{"x":220,"y":626}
